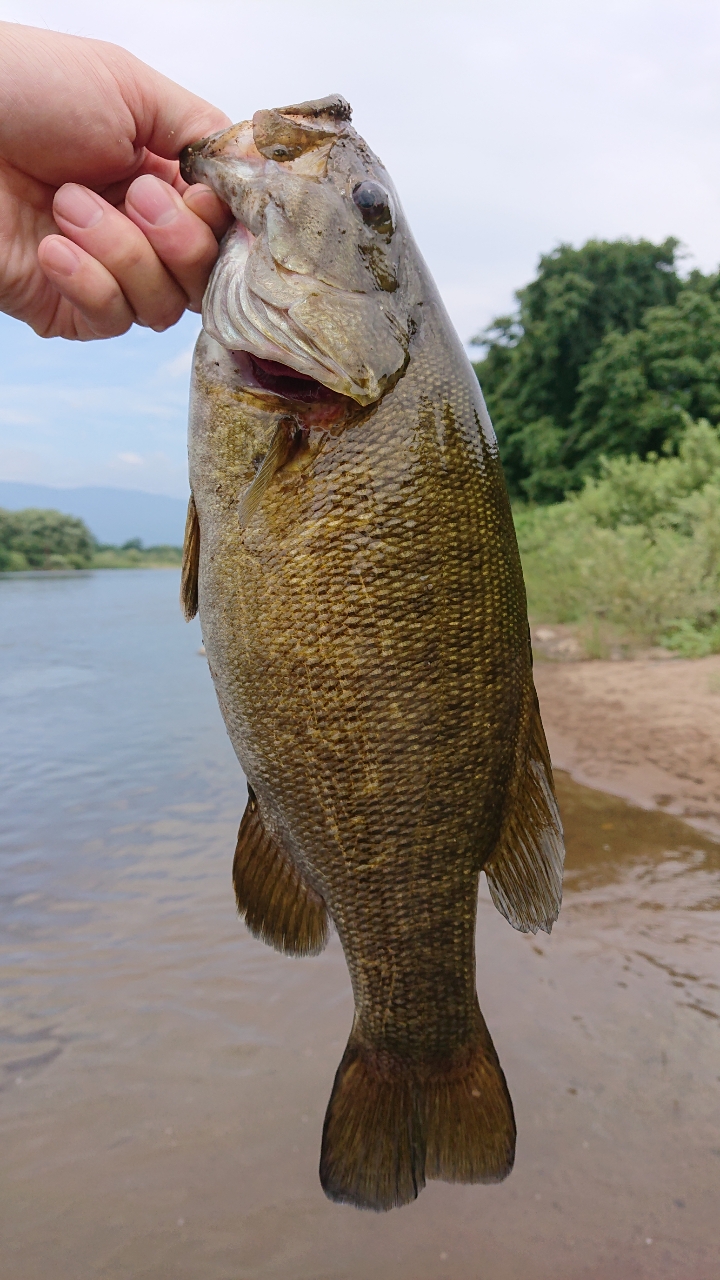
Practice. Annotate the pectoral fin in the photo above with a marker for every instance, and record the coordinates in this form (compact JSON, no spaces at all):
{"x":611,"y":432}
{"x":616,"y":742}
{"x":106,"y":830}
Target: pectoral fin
{"x":190,"y":563}
{"x":525,"y":872}
{"x":282,"y":447}
{"x":276,"y":902}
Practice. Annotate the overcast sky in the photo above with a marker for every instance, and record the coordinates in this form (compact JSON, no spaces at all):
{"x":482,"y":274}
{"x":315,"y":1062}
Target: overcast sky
{"x":507,"y":126}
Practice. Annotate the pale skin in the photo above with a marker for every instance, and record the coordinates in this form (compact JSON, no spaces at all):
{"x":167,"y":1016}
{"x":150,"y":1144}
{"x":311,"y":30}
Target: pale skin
{"x":97,"y":229}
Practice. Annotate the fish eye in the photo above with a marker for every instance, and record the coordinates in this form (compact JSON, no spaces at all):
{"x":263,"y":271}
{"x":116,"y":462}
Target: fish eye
{"x":374,"y":204}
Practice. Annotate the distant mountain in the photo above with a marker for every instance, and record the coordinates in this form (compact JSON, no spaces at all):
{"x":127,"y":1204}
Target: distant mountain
{"x":112,"y":515}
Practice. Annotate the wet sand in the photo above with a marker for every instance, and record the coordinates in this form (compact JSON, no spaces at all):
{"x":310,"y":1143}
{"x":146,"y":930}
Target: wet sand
{"x":165,"y":1079}
{"x":648,"y":730}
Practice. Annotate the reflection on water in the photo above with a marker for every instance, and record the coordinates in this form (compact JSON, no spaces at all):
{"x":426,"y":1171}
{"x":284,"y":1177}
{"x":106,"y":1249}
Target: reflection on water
{"x":163,"y":1076}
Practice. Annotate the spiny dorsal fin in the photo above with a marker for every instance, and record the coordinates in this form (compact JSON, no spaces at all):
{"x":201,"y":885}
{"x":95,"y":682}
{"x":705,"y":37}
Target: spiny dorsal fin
{"x":525,"y":872}
{"x":190,"y":563}
{"x":276,"y":902}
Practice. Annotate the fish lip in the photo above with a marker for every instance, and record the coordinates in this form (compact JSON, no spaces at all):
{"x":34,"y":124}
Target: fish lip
{"x":192,"y":152}
{"x":187,"y":159}
{"x":196,"y":156}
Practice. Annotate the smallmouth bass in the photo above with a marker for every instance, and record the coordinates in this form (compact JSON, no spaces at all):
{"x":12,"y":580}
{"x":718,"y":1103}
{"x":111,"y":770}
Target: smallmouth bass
{"x":351,"y":550}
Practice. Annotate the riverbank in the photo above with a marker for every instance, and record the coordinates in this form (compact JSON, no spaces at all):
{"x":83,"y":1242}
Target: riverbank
{"x":646,"y":729}
{"x":110,"y":558}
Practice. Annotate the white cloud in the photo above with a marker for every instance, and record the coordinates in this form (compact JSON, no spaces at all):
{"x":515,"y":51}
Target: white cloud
{"x":15,"y":418}
{"x":179,"y":367}
{"x":130,"y":459}
{"x":506,"y":127}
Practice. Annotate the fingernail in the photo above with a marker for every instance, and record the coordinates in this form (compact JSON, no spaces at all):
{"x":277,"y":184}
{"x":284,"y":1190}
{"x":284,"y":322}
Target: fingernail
{"x":78,"y":205}
{"x":153,"y":199}
{"x":61,"y":256}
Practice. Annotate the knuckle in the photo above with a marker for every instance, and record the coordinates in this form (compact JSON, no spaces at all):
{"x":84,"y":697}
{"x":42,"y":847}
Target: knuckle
{"x":165,"y":317}
{"x":109,"y":326}
{"x":134,"y":254}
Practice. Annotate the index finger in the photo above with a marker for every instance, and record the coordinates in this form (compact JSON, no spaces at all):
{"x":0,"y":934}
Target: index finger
{"x":182,"y":240}
{"x":207,"y":205}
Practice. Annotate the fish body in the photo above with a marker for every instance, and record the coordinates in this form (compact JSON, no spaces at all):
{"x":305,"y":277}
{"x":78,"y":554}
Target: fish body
{"x":351,"y":549}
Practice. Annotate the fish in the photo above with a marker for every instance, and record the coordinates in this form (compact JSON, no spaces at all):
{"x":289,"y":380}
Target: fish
{"x":351,"y":552}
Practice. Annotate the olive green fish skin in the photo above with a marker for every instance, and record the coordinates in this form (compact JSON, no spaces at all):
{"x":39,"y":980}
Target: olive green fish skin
{"x":368,"y":640}
{"x":364,"y":617}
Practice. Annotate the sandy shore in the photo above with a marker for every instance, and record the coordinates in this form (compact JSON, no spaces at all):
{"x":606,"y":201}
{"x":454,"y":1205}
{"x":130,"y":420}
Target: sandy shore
{"x":647,"y":730}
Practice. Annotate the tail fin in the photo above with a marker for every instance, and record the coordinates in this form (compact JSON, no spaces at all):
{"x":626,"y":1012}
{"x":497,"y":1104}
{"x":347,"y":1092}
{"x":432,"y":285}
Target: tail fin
{"x":390,"y":1125}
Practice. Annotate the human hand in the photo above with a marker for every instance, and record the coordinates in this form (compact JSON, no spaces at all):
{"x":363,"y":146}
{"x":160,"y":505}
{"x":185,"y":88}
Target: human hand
{"x":89,"y":139}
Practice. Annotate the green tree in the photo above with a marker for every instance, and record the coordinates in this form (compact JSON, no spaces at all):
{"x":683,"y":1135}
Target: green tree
{"x":39,"y":539}
{"x":535,"y":359}
{"x":636,"y":391}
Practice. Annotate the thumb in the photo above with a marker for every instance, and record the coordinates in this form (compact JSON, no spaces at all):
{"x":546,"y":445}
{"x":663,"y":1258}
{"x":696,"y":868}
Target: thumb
{"x":167,"y":116}
{"x":78,"y":110}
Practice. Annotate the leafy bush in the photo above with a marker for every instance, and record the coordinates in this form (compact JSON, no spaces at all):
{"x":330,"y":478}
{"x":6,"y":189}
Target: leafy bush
{"x":38,"y":539}
{"x":638,"y":548}
{"x":133,"y":555}
{"x":536,"y":359}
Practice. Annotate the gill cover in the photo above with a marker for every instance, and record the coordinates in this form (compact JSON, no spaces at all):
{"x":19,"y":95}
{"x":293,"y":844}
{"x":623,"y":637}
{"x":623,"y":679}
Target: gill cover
{"x":313,"y":273}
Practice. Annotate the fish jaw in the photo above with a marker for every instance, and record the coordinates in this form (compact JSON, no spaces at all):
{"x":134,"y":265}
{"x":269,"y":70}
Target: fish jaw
{"x":311,"y":275}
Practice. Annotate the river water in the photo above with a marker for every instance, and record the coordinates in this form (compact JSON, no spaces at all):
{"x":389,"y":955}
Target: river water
{"x":164,"y":1076}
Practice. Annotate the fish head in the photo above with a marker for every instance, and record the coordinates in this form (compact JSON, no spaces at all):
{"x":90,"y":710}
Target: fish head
{"x":312,"y":283}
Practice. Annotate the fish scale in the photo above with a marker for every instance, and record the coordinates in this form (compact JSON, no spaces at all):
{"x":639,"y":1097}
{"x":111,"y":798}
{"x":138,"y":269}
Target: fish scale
{"x":367,"y":634}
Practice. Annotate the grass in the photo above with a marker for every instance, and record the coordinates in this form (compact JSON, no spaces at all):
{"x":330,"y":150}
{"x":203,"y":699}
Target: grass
{"x":634,"y":559}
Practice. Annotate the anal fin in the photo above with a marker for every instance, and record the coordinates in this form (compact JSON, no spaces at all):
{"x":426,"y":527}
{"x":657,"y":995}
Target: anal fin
{"x":276,"y":902}
{"x":525,"y":872}
{"x":190,"y":563}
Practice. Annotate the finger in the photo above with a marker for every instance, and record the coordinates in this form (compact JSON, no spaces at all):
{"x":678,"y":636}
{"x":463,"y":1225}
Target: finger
{"x":181,"y":239}
{"x":166,"y":115}
{"x":87,"y":284}
{"x":105,"y":233}
{"x":203,"y":201}
{"x":168,"y":170}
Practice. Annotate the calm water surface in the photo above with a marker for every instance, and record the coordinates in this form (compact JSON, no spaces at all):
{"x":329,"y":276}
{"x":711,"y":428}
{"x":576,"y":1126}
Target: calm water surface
{"x":163,"y":1076}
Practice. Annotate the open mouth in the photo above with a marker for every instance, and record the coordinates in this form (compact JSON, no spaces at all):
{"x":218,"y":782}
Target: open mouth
{"x":284,"y":381}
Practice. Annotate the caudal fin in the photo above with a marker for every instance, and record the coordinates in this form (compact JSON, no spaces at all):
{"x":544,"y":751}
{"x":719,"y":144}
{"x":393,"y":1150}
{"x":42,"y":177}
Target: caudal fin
{"x":390,"y":1126}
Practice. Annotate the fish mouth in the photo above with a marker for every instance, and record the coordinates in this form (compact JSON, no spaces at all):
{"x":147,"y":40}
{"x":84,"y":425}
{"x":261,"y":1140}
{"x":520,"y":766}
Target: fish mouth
{"x":283,"y":381}
{"x":292,"y":287}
